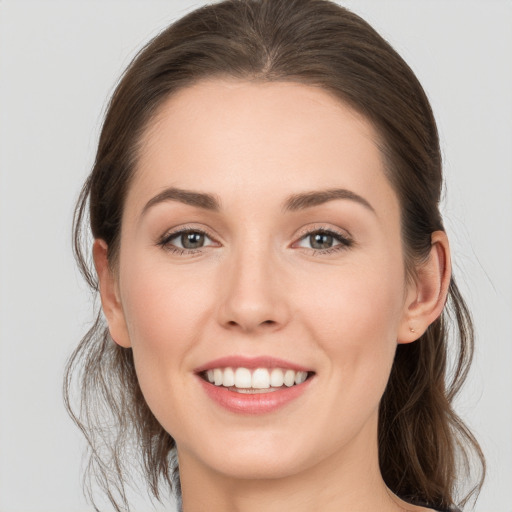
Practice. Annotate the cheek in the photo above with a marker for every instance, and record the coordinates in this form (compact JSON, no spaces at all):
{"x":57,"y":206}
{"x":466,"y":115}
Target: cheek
{"x":356,"y":325}
{"x":361,"y":300}
{"x":163,"y":307}
{"x":163,"y":312}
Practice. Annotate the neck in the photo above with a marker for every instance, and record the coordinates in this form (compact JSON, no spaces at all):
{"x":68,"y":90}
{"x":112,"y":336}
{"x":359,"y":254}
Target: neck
{"x":349,"y":480}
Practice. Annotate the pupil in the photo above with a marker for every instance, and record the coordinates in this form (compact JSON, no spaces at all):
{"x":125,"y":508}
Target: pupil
{"x":321,"y":241}
{"x":192,"y":240}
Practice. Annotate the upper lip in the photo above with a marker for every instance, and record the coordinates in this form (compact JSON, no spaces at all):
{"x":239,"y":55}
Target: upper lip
{"x":251,"y":363}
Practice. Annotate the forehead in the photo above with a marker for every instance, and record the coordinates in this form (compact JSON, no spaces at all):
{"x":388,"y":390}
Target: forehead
{"x":233,"y":137}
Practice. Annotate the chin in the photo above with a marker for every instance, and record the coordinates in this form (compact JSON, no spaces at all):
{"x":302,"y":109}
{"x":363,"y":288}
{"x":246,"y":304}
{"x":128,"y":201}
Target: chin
{"x":256,"y":459}
{"x":268,"y":467}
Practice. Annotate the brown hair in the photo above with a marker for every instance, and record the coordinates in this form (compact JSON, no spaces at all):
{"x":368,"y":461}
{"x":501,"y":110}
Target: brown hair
{"x":425,"y":448}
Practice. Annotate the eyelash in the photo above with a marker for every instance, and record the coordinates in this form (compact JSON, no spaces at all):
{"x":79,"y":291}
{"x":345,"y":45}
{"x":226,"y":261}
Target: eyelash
{"x":344,"y":241}
{"x":165,"y":242}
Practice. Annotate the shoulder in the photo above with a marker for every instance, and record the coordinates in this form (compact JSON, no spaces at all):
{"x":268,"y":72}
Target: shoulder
{"x":414,"y":505}
{"x":423,"y":507}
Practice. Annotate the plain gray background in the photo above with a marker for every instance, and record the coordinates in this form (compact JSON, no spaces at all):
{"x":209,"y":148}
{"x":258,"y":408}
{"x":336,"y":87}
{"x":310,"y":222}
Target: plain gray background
{"x":59,"y":62}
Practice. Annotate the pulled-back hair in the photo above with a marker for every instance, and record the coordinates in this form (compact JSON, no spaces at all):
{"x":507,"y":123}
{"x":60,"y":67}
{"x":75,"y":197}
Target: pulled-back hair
{"x":425,"y":450}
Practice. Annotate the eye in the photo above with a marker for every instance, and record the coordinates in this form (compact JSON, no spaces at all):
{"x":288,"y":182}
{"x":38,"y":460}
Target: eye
{"x":324,"y":241}
{"x":186,"y":240}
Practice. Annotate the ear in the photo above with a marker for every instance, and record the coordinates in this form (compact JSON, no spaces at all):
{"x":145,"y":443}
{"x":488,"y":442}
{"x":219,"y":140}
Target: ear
{"x":426,"y":296}
{"x":109,"y":292}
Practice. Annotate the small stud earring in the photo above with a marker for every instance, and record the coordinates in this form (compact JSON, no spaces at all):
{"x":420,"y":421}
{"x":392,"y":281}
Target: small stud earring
{"x":412,"y":330}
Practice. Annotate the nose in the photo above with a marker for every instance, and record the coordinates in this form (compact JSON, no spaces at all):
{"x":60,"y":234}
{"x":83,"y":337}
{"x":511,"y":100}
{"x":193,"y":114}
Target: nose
{"x":253,"y":293}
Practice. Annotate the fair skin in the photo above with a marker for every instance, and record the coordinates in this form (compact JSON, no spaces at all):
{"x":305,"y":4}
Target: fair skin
{"x":259,"y":284}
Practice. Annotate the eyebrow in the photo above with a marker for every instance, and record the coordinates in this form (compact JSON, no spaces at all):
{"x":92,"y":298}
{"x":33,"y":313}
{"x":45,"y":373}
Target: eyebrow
{"x":293,"y":203}
{"x":316,"y":197}
{"x":190,"y":197}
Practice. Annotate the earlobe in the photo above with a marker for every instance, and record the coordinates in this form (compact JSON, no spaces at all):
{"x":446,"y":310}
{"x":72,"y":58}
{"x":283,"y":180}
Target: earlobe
{"x":427,"y":295}
{"x":109,"y":294}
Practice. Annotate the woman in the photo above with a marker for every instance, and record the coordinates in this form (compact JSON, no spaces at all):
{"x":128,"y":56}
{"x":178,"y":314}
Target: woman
{"x":273,"y":272}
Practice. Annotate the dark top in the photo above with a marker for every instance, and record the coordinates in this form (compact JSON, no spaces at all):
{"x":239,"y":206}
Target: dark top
{"x":451,"y":509}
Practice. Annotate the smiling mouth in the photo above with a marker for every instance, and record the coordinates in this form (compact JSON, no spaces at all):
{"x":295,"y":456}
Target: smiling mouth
{"x":259,"y":380}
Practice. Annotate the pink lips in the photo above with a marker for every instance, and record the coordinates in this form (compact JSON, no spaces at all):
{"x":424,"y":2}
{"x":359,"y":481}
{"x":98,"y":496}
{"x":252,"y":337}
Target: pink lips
{"x":258,"y":403}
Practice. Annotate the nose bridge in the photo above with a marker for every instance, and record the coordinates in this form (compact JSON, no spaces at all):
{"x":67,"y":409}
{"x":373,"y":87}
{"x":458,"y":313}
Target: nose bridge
{"x":252,"y":296}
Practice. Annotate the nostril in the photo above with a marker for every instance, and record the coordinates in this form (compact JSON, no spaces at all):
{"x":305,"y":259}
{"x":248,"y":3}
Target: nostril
{"x":250,"y":324}
{"x":265,"y":322}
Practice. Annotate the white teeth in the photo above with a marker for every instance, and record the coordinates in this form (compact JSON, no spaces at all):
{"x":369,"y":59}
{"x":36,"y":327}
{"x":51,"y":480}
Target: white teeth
{"x":261,"y":378}
{"x":217,"y":377}
{"x":243,"y":378}
{"x":229,"y":377}
{"x":300,"y":377}
{"x":276,"y":378}
{"x":289,"y":378}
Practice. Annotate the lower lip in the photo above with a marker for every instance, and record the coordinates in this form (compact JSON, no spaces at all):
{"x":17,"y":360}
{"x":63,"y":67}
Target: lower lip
{"x":254,"y":403}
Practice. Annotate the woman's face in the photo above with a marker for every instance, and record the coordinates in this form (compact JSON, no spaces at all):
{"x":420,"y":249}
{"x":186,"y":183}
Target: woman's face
{"x":260,"y":233}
